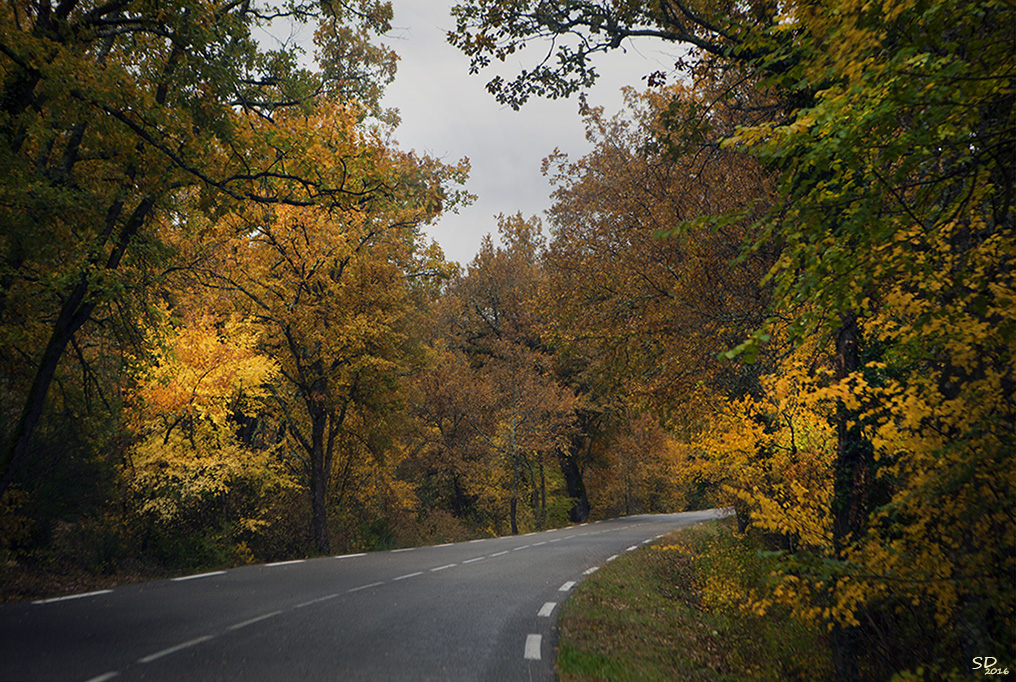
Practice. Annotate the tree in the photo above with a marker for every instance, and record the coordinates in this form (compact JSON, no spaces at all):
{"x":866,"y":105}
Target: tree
{"x":451,"y":406}
{"x":113,"y":116}
{"x":637,"y":317}
{"x":190,"y":473}
{"x":892,"y":129}
{"x":486,"y":30}
{"x":495,"y":320}
{"x":532,"y":418}
{"x":329,"y":287}
{"x":634,"y":277}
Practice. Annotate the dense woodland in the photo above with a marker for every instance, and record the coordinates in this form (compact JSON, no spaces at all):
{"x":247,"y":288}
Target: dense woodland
{"x":782,"y":281}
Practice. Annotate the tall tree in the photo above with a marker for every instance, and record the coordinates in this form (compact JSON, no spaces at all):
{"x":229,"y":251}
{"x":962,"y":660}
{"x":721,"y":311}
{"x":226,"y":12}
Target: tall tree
{"x":113,"y":113}
{"x":637,"y":271}
{"x":637,"y":317}
{"x":498,"y":326}
{"x":892,"y":128}
{"x":329,"y":289}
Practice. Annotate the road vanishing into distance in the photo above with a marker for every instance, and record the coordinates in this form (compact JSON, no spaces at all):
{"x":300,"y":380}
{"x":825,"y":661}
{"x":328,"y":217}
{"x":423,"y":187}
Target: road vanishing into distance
{"x":480,"y":610}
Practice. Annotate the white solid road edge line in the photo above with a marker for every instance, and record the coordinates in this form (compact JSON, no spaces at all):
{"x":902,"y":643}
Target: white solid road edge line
{"x":51,"y":600}
{"x":174,"y":649}
{"x":199,"y":575}
{"x":547,"y":609}
{"x":533,"y":643}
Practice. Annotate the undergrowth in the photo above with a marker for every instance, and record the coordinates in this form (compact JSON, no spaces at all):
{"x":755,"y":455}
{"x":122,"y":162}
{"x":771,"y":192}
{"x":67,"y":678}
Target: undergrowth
{"x":645,"y":617}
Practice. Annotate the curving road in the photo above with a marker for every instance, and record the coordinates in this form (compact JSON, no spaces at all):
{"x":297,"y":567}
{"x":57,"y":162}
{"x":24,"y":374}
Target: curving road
{"x":481,"y":610}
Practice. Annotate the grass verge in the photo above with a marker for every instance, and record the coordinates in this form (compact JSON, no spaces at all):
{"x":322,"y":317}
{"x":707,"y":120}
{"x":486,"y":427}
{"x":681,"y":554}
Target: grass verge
{"x":644,"y":617}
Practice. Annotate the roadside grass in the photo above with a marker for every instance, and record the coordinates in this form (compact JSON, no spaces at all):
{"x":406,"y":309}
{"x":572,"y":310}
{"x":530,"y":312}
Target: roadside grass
{"x":642,"y":618}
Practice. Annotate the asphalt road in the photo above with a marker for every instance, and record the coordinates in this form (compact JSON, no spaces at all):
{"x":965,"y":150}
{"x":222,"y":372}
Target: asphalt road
{"x":481,"y":610}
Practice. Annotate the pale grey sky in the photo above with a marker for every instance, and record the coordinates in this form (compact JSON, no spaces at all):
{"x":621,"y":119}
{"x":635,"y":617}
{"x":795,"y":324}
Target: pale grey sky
{"x":448,"y":114}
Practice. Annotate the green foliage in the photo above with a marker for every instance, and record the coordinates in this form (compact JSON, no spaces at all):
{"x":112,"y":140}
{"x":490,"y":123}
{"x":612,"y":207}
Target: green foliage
{"x":890,"y":127}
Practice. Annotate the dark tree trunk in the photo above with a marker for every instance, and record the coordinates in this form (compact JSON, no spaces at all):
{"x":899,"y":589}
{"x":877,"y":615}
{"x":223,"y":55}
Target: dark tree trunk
{"x":77,"y":308}
{"x":514,"y":503}
{"x":75,"y":311}
{"x":570,"y":462}
{"x":319,"y":480}
{"x":852,"y":489}
{"x":543,"y":498}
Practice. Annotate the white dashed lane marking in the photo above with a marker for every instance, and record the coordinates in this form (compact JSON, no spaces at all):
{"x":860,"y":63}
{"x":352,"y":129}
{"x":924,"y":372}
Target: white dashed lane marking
{"x":105,"y":677}
{"x":173,"y":649}
{"x":253,"y":620}
{"x":52,"y":600}
{"x":199,"y":575}
{"x":365,"y":587}
{"x":533,"y":643}
{"x":408,"y":575}
{"x":316,"y":601}
{"x":441,"y":568}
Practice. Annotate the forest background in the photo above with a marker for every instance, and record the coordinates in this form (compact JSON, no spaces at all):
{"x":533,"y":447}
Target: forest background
{"x":782,"y":281}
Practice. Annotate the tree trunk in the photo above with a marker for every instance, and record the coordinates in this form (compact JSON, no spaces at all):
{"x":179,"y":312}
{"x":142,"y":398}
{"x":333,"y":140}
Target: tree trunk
{"x":319,"y":482}
{"x":851,"y":489}
{"x":77,"y":308}
{"x":568,"y":459}
{"x":543,"y":498}
{"x":513,"y":504}
{"x":73,"y":314}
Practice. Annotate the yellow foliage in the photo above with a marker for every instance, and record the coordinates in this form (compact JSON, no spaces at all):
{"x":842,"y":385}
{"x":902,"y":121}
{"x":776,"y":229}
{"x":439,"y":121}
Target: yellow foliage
{"x":186,"y":453}
{"x":773,"y":455}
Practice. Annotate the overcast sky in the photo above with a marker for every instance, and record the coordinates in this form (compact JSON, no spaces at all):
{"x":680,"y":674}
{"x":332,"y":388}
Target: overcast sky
{"x":448,"y":114}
